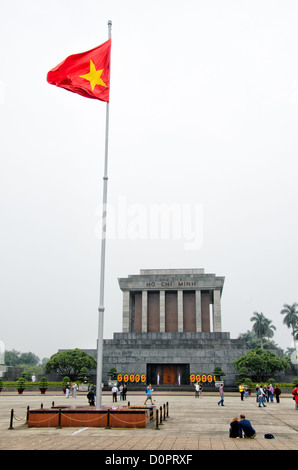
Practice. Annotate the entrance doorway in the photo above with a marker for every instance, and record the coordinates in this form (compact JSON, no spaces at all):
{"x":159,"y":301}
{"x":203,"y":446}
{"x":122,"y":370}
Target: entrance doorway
{"x":168,"y":374}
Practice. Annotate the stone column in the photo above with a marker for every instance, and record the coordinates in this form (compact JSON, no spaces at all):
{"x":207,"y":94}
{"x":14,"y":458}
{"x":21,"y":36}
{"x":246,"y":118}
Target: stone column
{"x":198,"y":312}
{"x":144,"y":310}
{"x":180,"y":310}
{"x":162,"y":311}
{"x":216,"y":311}
{"x":126,"y":320}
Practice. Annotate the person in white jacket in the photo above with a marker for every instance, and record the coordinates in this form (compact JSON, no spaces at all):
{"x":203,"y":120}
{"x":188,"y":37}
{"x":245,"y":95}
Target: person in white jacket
{"x":261,"y":397}
{"x":114,"y":393}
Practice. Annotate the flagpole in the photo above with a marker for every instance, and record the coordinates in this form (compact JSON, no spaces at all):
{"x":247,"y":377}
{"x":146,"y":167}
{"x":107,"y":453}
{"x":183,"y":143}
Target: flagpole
{"x":102,"y":264}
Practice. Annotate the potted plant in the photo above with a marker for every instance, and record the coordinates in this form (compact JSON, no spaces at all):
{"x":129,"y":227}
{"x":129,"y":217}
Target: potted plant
{"x":218,"y":373}
{"x":21,"y":385}
{"x":64,"y":382}
{"x":1,"y":384}
{"x":43,"y":385}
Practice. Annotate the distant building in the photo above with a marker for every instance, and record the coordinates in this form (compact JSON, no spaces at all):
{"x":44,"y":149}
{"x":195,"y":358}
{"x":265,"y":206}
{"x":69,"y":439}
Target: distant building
{"x":171,"y":329}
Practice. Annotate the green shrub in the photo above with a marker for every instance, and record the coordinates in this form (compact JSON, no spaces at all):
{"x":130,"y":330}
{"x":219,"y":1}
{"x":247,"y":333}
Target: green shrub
{"x":13,"y":384}
{"x":272,"y":382}
{"x":43,"y":383}
{"x":247,"y":383}
{"x":21,"y":383}
{"x":65,"y":380}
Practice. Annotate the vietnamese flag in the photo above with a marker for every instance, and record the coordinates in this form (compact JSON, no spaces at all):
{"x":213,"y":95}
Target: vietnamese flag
{"x":87,"y":73}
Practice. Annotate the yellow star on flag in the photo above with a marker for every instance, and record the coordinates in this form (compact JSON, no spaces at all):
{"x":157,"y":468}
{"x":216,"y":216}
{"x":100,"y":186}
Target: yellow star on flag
{"x":94,"y":76}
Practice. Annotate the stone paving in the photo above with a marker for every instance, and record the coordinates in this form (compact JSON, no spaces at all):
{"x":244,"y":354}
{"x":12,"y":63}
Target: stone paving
{"x":193,"y":424}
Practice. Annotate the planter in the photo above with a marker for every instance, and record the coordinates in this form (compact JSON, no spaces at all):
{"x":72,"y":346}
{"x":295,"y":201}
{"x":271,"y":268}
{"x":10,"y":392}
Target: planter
{"x":64,"y":391}
{"x":20,"y":391}
{"x":42,"y":390}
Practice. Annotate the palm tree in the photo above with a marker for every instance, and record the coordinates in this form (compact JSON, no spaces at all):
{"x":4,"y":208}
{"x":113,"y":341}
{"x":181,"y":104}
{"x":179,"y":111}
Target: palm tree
{"x":291,"y":320}
{"x":270,"y":329}
{"x":262,"y":327}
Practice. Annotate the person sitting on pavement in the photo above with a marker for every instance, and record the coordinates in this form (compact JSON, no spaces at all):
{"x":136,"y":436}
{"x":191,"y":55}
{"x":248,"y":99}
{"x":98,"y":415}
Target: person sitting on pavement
{"x":246,"y":428}
{"x":234,"y":430}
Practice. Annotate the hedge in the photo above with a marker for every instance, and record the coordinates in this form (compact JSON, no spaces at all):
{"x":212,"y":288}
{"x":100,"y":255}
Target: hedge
{"x":31,"y":384}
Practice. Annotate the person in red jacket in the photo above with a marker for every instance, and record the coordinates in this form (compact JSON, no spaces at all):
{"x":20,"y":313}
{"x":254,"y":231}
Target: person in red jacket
{"x":295,"y":393}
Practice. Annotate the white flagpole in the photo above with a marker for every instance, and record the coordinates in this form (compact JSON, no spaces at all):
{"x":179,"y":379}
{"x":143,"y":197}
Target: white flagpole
{"x":102,"y":266}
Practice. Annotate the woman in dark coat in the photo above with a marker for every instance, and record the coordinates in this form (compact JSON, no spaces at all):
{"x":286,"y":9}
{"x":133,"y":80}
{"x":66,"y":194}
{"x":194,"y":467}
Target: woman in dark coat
{"x":234,"y":430}
{"x":277,"y":392}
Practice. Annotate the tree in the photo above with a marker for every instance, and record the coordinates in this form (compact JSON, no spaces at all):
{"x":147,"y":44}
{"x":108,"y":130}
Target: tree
{"x":261,"y":364}
{"x":70,"y":362}
{"x":29,"y":359}
{"x":28,"y":371}
{"x":262,"y":327}
{"x":83,"y":375}
{"x":218,"y":372}
{"x":113,"y":373}
{"x":16,"y":358}
{"x":252,"y":341}
{"x":243,"y":373}
{"x":291,"y":320}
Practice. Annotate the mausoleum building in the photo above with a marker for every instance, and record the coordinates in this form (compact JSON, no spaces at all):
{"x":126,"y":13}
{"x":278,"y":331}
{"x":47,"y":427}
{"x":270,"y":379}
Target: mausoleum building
{"x":173,"y":301}
{"x":172,"y":328}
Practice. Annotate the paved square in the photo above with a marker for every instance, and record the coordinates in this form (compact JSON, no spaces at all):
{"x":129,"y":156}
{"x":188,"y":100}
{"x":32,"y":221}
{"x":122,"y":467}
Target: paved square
{"x":193,"y":424}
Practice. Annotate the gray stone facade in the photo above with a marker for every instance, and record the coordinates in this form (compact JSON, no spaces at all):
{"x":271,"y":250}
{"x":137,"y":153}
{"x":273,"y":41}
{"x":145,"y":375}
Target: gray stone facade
{"x":198,"y":353}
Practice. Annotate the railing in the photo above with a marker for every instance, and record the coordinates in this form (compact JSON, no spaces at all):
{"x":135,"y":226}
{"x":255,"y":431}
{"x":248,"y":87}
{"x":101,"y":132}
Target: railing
{"x":161,"y":415}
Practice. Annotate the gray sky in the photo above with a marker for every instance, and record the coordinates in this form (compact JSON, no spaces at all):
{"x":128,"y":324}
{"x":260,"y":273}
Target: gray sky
{"x":203,"y":125}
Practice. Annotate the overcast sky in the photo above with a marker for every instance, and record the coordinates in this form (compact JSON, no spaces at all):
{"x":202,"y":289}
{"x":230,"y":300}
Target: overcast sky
{"x":203,"y":125}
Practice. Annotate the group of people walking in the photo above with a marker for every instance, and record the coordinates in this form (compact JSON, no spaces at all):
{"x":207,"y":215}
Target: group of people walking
{"x":71,"y":390}
{"x":265,"y":394}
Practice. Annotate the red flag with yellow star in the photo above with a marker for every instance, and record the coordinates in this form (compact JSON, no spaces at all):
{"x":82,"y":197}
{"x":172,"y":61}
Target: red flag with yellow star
{"x":87,"y":73}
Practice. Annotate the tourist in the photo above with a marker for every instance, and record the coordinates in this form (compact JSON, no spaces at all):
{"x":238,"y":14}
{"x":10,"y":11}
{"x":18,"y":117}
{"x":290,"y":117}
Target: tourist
{"x":261,"y":397}
{"x":221,"y":394}
{"x":91,"y":397}
{"x":234,"y":430}
{"x":200,"y":390}
{"x":124,"y":392}
{"x":277,"y":392}
{"x":74,"y":388}
{"x":257,"y":392}
{"x":114,"y":393}
{"x":266,"y":393}
{"x":271,"y":393}
{"x":149,"y":391}
{"x":241,"y":390}
{"x":295,"y":397}
{"x":67,"y":389}
{"x":197,"y":389}
{"x":246,"y":428}
{"x":121,"y":392}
